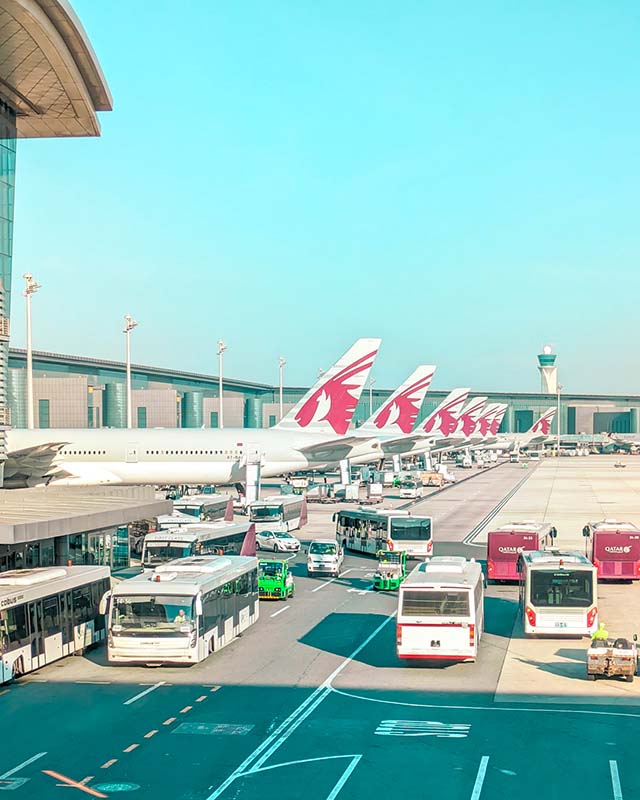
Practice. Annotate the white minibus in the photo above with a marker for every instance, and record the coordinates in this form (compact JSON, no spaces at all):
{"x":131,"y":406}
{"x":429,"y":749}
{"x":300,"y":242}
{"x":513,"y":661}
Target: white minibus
{"x":278,"y":513}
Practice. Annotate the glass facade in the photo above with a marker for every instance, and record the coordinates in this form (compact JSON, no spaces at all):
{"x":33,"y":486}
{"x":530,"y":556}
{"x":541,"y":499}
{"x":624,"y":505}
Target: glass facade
{"x":142,"y":417}
{"x":7,"y":187}
{"x":115,"y":405}
{"x":44,"y":416}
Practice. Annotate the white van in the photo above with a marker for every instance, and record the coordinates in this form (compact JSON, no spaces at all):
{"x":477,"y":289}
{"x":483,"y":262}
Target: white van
{"x":411,"y":488}
{"x":324,"y":557}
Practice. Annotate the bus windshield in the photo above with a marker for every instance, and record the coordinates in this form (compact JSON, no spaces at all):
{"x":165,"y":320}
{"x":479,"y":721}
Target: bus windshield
{"x":158,"y":615}
{"x":266,"y":513}
{"x":571,"y":589}
{"x":410,"y":529}
{"x":323,"y":548}
{"x":161,"y":552}
{"x":436,"y":603}
{"x":192,"y":511}
{"x":270,"y":569}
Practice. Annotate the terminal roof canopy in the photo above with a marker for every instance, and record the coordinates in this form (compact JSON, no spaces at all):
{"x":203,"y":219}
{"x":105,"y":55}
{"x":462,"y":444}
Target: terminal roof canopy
{"x":48,"y":71}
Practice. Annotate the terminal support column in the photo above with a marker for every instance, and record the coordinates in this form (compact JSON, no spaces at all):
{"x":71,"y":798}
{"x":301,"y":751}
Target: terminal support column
{"x":4,"y":362}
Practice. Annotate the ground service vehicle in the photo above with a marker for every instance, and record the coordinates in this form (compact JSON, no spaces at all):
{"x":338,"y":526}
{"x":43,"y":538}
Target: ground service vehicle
{"x":182,"y":611}
{"x":391,"y":571}
{"x":612,"y":657}
{"x":558,"y":593}
{"x":219,"y":538}
{"x":278,"y":541}
{"x":285,"y":512}
{"x":514,"y":458}
{"x":48,"y":613}
{"x":370,"y":530}
{"x":441,"y":610}
{"x":324,"y":557}
{"x":275,"y":581}
{"x":614,"y":549}
{"x":206,"y":507}
{"x":411,"y":488}
{"x":505,"y":543}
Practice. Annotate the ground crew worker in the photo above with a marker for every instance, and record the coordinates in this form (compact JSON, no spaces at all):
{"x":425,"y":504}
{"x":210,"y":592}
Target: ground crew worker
{"x":601,"y":633}
{"x":182,"y":617}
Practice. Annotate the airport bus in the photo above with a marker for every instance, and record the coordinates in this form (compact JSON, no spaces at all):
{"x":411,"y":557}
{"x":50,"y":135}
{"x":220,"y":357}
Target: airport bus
{"x":278,"y":513}
{"x":206,"y":507}
{"x":504,"y":545}
{"x":441,"y":610}
{"x":48,"y":613}
{"x":182,"y":611}
{"x":614,"y":549}
{"x":218,"y":538}
{"x":558,"y":593}
{"x":370,"y":530}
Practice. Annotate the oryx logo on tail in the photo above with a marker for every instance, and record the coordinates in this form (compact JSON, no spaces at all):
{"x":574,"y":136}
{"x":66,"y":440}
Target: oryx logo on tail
{"x":543,"y":425}
{"x":497,"y":419}
{"x":444,"y":420}
{"x":468,"y":419}
{"x":329,"y":405}
{"x":403,"y":407}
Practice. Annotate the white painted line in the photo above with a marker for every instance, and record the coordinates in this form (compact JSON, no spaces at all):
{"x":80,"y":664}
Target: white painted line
{"x":21,"y":766}
{"x":615,"y":780}
{"x":142,"y":694}
{"x":345,"y":777}
{"x":482,"y":770}
{"x":280,"y":612}
{"x":278,"y":737}
{"x":326,"y":583}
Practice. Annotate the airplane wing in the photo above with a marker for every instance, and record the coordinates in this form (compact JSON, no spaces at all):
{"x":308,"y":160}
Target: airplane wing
{"x":31,"y":464}
{"x":333,"y":450}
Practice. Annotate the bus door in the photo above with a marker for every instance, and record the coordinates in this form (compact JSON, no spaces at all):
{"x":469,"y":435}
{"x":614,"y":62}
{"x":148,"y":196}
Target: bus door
{"x":37,"y":637}
{"x":52,"y":629}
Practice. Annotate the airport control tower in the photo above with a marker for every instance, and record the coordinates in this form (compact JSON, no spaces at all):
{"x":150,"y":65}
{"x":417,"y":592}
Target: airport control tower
{"x":548,"y":371}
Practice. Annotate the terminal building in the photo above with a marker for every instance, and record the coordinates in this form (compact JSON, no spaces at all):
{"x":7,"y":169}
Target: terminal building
{"x":77,"y":392}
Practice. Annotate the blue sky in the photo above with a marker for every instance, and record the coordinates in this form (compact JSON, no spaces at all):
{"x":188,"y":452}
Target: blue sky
{"x":459,"y":179}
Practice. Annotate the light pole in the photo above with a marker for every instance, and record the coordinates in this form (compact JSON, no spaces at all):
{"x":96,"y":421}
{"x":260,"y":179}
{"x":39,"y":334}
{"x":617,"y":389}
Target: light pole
{"x":31,"y":287}
{"x":281,"y":363}
{"x":221,"y":348}
{"x":371,"y":382}
{"x":129,"y":325}
{"x":560,"y":388}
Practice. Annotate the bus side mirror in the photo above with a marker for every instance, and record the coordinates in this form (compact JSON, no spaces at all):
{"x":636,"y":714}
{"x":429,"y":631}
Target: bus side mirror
{"x":199,"y":610}
{"x":333,"y":518}
{"x":635,"y":637}
{"x":104,"y":603}
{"x":553,"y":532}
{"x":586,"y":531}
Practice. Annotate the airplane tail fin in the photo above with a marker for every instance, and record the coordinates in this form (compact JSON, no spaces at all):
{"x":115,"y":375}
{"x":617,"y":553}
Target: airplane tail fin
{"x":399,"y":413}
{"x":469,"y":416}
{"x":328,"y":407}
{"x":444,"y":419}
{"x":498,"y":416}
{"x":228,"y":512}
{"x":543,"y":425}
{"x":249,"y":543}
{"x":304,"y":513}
{"x":486,"y":417}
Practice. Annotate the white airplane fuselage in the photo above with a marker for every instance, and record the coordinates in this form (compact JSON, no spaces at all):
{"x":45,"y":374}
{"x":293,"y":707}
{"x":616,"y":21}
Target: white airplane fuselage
{"x":172,"y":456}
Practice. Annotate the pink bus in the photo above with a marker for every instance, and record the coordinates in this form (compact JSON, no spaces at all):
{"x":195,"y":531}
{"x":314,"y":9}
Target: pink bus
{"x":614,"y":549}
{"x":504,"y":544}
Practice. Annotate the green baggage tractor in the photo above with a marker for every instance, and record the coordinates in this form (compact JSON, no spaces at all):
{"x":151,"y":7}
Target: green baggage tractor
{"x":391,"y":571}
{"x":275,"y":581}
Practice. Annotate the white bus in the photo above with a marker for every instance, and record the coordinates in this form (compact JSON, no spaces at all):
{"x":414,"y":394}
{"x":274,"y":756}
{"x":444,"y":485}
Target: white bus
{"x":441,"y":610}
{"x":558,"y":593}
{"x":48,"y":613}
{"x":206,"y":507}
{"x":278,"y":513}
{"x":218,"y":538}
{"x":182,"y":611}
{"x":370,"y":530}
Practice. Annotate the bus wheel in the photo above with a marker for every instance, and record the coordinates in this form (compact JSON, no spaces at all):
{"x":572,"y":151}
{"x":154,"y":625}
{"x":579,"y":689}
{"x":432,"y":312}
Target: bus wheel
{"x":212,"y":645}
{"x":629,"y":678}
{"x":591,"y":677}
{"x":18,"y":668}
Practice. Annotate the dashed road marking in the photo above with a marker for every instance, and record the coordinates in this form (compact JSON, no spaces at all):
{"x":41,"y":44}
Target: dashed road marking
{"x":106,"y":765}
{"x":482,"y":771}
{"x":150,"y":734}
{"x":214,"y":689}
{"x":201,"y":698}
{"x":142,"y":694}
{"x":169,"y":721}
{"x":185,"y":709}
{"x":131,"y":748}
{"x":615,"y":780}
{"x":280,"y":612}
{"x":326,"y":583}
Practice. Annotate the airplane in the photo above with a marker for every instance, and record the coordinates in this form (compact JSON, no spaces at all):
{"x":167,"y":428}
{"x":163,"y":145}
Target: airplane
{"x":318,"y":423}
{"x":537,"y":434}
